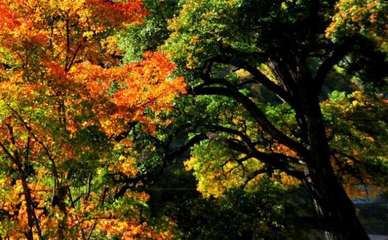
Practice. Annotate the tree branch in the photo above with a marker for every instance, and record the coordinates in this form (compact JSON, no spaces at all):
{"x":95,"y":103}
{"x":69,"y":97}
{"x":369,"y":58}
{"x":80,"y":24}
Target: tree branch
{"x":256,"y":113}
{"x":339,"y":52}
{"x":259,"y":77}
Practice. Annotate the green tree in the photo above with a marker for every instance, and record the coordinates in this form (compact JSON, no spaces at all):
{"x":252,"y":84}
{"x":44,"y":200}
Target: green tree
{"x":261,"y":75}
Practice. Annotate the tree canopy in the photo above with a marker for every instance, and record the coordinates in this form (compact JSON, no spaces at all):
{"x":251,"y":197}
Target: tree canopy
{"x":190,"y":119}
{"x":65,"y":102}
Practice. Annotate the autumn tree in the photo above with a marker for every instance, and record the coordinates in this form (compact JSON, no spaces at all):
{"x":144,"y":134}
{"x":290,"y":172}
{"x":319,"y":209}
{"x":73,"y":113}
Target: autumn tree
{"x":66,"y":102}
{"x":284,"y":89}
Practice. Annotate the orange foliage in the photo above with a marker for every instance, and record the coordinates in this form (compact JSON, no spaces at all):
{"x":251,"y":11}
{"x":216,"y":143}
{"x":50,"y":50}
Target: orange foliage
{"x":114,"y":14}
{"x":7,"y":18}
{"x":281,"y":148}
{"x":74,"y":64}
{"x":65,"y":77}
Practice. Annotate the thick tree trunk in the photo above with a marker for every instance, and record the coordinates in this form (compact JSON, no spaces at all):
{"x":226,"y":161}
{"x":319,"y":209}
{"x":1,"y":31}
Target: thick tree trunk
{"x":329,"y":194}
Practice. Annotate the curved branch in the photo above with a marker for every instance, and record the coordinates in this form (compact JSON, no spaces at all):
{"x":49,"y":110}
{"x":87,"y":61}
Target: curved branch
{"x":271,"y":160}
{"x":256,"y":113}
{"x":231,"y":131}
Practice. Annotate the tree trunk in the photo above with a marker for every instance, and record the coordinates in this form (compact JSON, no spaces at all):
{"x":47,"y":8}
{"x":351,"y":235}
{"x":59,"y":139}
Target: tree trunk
{"x":31,"y":216}
{"x":329,"y":194}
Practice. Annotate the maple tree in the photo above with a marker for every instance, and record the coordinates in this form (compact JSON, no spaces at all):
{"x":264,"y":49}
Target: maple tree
{"x":66,"y":101}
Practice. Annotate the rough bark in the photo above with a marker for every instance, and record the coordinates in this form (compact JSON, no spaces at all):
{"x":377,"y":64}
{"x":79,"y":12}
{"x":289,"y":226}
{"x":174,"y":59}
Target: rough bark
{"x":329,"y":194}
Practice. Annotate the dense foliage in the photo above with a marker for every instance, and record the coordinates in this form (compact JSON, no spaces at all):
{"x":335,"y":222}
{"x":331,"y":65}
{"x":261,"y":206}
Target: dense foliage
{"x":65,"y":101}
{"x":191,"y":119}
